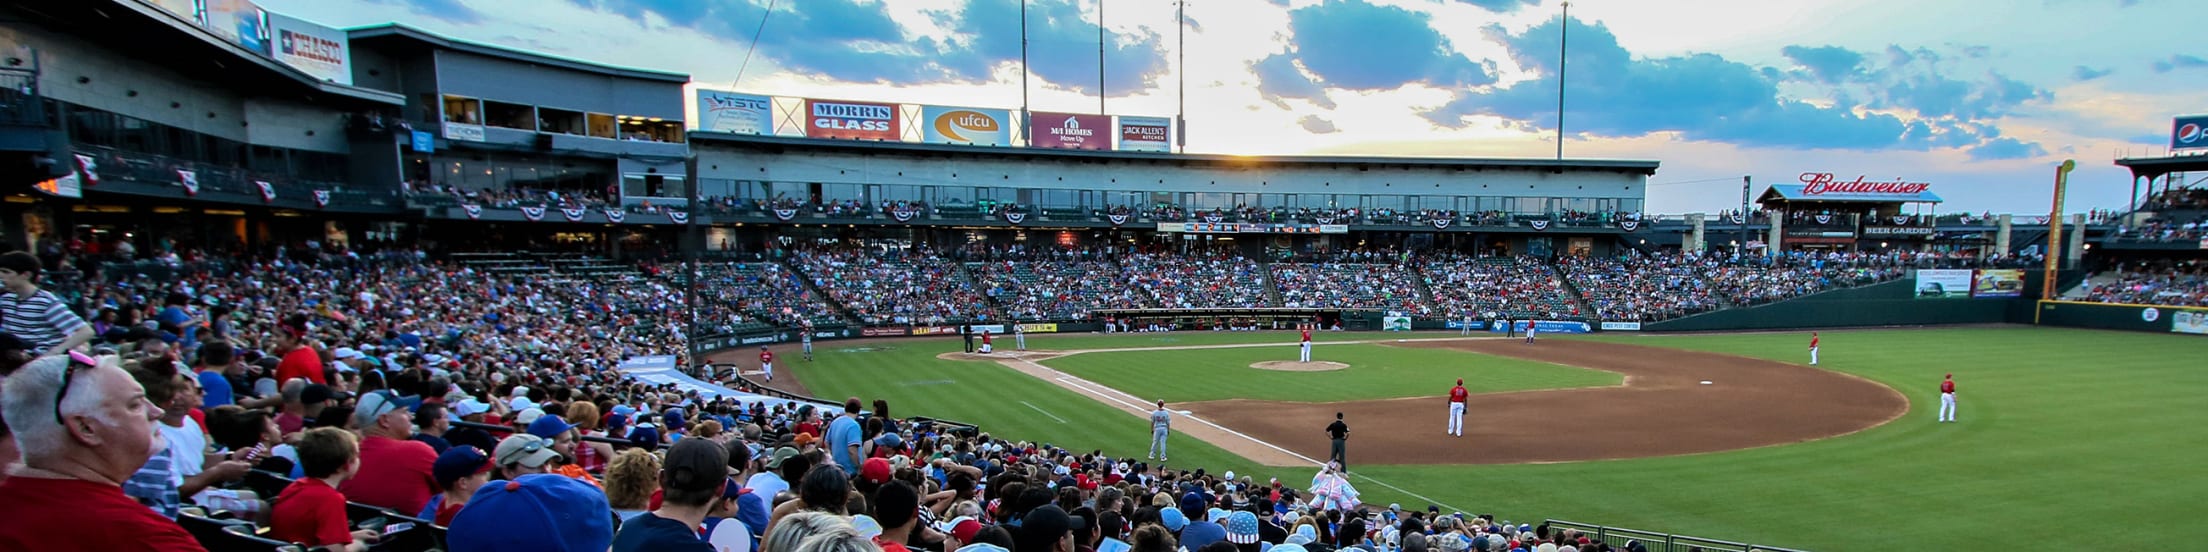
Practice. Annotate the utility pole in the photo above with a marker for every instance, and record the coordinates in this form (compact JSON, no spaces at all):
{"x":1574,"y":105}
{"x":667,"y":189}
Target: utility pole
{"x":1100,"y":91}
{"x":1565,"y":28}
{"x":1744,"y":216}
{"x":1024,"y":126}
{"x":1180,"y":118}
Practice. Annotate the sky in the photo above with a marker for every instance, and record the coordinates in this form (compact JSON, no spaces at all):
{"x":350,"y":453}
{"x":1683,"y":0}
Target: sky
{"x":1981,"y":98}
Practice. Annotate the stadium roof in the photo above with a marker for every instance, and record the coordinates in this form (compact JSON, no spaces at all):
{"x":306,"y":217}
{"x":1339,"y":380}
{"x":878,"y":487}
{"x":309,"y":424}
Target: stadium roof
{"x":398,"y":32}
{"x":2155,"y":167}
{"x":1798,"y":192}
{"x":755,"y":140}
{"x":160,"y":37}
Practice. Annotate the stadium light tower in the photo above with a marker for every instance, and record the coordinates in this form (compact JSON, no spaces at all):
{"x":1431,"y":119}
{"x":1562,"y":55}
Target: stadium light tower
{"x":1564,"y":28}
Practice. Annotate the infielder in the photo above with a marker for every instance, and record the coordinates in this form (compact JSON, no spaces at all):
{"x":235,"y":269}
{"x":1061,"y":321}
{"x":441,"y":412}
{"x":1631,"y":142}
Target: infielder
{"x":1019,"y":336}
{"x":1467,"y":328}
{"x":1457,"y":395}
{"x":1812,"y":348}
{"x":1529,"y":331}
{"x":1306,"y":356}
{"x":808,"y":341}
{"x":1161,"y":425}
{"x":1947,"y":399}
{"x":766,"y":362}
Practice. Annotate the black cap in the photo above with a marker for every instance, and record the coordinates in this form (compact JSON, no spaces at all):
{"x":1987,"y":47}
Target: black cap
{"x":1043,"y":526}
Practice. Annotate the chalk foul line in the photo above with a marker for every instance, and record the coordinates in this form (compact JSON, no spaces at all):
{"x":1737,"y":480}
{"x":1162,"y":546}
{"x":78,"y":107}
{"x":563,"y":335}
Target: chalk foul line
{"x":1045,"y":412}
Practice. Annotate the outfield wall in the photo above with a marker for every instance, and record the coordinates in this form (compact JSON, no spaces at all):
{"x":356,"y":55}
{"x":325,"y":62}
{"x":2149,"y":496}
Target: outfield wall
{"x":1893,"y":303}
{"x":2116,"y":316}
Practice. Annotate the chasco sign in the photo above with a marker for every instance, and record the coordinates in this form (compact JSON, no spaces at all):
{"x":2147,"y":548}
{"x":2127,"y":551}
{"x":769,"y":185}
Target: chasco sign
{"x":1820,"y":183}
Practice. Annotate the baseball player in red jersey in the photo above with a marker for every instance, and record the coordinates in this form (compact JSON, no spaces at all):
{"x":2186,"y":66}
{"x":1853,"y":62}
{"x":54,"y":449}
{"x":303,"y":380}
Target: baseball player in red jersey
{"x":1306,"y":344}
{"x":985,"y":346}
{"x":766,"y":362}
{"x":1947,"y":399}
{"x":1812,"y":348}
{"x":1457,"y":395}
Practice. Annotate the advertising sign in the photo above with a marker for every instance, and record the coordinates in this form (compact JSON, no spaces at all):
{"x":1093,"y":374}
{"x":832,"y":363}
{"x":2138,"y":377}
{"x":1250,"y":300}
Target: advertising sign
{"x":1397,"y":323}
{"x":188,"y":9}
{"x":732,"y":112}
{"x":1621,"y":326}
{"x":2189,"y":132}
{"x":1998,"y":282}
{"x":463,"y":131}
{"x":965,"y":125}
{"x":1949,"y":283}
{"x":1039,"y":328}
{"x":2190,"y":321}
{"x":1541,"y":326}
{"x":1898,"y":231}
{"x":240,"y":21}
{"x":1069,"y":131}
{"x":314,"y":49}
{"x":851,"y":120}
{"x":1816,"y":184}
{"x":1145,"y":134}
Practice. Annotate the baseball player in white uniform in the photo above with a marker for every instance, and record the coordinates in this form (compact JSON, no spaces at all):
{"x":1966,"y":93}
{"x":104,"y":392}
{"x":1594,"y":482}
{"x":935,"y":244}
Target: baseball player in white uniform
{"x":1019,"y":336}
{"x":1306,"y":355}
{"x":1467,"y":328}
{"x":1161,"y":425}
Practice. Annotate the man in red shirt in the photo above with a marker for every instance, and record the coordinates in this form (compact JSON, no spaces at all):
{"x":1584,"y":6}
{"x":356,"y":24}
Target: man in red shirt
{"x":1457,"y":396}
{"x":766,"y":362}
{"x":1947,"y":399}
{"x":986,"y":348}
{"x":1306,"y":354}
{"x":1812,"y":348}
{"x":396,"y":471}
{"x":68,"y":494}
{"x":300,"y":359}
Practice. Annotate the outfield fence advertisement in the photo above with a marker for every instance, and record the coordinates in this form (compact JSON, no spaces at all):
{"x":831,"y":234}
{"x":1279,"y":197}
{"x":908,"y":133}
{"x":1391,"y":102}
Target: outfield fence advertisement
{"x":1543,"y":326}
{"x":965,"y":125}
{"x":735,"y":113}
{"x":2189,"y":321}
{"x":852,"y":120}
{"x":1998,"y":283}
{"x":1621,"y":326}
{"x":1943,"y":283}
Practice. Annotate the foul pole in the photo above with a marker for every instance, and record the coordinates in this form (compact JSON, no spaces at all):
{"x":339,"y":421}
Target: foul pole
{"x":2054,"y":231}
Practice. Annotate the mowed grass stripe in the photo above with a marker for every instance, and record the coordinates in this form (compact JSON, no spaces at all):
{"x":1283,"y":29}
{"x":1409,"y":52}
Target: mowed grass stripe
{"x":1375,"y":372}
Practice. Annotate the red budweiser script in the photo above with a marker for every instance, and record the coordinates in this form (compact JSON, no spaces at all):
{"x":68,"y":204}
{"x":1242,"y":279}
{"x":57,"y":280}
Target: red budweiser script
{"x":1819,"y":183}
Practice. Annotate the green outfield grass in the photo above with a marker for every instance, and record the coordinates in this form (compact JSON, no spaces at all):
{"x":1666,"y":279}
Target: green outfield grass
{"x":1376,"y":372}
{"x":2059,"y":428}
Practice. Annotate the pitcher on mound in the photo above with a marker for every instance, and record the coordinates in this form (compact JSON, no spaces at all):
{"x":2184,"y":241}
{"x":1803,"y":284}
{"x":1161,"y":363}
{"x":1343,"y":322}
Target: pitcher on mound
{"x":1306,"y":355}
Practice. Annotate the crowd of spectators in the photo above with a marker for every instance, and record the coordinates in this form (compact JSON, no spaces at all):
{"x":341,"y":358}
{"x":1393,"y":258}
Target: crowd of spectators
{"x":1495,"y":287}
{"x":1055,"y":284}
{"x":762,"y":294}
{"x":1643,"y":288}
{"x":2158,"y":283}
{"x":1195,"y":280}
{"x":1382,"y":286}
{"x":894,"y":286}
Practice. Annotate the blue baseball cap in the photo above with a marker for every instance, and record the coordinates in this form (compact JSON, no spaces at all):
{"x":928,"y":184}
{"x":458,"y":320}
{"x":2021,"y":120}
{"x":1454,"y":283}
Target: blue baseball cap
{"x":543,"y":511}
{"x":1172,"y":517}
{"x":549,"y":427}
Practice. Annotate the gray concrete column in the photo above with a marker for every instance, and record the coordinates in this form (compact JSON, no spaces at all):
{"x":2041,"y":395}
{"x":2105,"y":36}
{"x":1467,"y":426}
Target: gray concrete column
{"x":2001,"y":235}
{"x":1695,"y":237}
{"x":1778,"y":228}
{"x":2075,"y":236}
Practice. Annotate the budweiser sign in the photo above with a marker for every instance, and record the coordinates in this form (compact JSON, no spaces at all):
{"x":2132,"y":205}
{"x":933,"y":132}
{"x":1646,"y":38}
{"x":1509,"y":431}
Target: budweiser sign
{"x":1821,"y":183}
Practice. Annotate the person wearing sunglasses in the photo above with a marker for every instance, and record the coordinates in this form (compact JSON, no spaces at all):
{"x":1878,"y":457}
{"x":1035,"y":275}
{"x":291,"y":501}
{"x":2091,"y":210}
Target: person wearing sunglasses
{"x":84,"y":426}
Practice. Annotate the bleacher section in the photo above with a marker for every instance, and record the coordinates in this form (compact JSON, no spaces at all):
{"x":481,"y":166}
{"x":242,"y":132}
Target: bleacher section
{"x":1053,"y":289}
{"x":904,"y":287}
{"x":1642,"y":288}
{"x":1380,"y":286}
{"x":1493,"y":287}
{"x":1177,"y":281}
{"x":763,"y":295}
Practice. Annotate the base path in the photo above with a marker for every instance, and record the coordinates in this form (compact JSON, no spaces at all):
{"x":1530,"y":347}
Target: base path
{"x":1663,"y":409}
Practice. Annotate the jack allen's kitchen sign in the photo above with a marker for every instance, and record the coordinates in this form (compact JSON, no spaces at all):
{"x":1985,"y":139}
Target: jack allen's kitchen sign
{"x":1820,"y":183}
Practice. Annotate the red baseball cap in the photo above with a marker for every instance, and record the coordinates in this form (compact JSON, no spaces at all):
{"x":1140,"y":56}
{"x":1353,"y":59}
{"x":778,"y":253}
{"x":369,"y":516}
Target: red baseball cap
{"x":875,"y":471}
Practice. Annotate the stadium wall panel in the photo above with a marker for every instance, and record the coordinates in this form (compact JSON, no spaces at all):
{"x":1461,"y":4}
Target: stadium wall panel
{"x":2106,"y":316}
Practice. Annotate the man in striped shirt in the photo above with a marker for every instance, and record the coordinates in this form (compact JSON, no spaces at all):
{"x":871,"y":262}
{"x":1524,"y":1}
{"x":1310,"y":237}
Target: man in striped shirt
{"x":34,"y":315}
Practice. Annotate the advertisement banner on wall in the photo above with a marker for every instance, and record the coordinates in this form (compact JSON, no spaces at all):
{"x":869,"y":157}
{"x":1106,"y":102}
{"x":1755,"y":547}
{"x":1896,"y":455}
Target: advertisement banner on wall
{"x":1397,"y":323}
{"x":1948,"y":283}
{"x":2189,"y":321}
{"x":1998,"y":282}
{"x":240,"y":21}
{"x":1541,"y":326}
{"x":187,"y":9}
{"x":851,"y":120}
{"x":1621,"y":326}
{"x":1039,"y":328}
{"x":735,"y":113}
{"x":1145,"y":134}
{"x":965,"y":125}
{"x":2189,"y":132}
{"x":314,"y":49}
{"x":1069,"y":131}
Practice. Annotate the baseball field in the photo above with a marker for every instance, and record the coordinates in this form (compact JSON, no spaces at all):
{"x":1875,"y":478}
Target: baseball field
{"x":2083,"y":435}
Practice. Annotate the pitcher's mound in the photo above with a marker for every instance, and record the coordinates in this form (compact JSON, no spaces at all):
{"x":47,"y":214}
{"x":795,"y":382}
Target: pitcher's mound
{"x":1293,"y":366}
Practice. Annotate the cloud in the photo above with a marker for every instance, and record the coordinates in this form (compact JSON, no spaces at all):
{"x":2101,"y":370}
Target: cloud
{"x":857,"y":41}
{"x":1359,"y":46}
{"x":1500,"y":6}
{"x":2004,"y":149}
{"x":2082,"y":73}
{"x":1278,"y":79}
{"x":2179,"y":61}
{"x":1316,"y":125}
{"x":1829,"y":64}
{"x":448,"y":10}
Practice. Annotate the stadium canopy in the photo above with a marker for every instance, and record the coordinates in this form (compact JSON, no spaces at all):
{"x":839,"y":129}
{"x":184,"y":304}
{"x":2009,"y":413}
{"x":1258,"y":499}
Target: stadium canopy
{"x":2151,"y":168}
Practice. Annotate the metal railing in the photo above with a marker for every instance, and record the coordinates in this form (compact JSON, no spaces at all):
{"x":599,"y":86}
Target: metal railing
{"x":1619,"y":537}
{"x":161,"y":170}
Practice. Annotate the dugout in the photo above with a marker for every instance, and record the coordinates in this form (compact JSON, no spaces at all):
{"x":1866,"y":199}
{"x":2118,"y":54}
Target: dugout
{"x":1828,"y":214}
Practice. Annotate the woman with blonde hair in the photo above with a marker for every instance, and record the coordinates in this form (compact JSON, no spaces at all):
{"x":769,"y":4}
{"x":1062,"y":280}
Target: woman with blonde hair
{"x":707,"y":429}
{"x":838,"y":539}
{"x":591,"y":456}
{"x":793,"y":530}
{"x":631,"y":478}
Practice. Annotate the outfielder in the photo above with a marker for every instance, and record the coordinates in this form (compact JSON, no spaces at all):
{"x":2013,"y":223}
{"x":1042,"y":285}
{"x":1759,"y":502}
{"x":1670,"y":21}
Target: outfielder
{"x":766,"y":362}
{"x":1019,"y":336}
{"x":1812,"y":348}
{"x":1947,"y":399}
{"x":1306,"y":356}
{"x":1457,"y":395}
{"x":1161,"y":425}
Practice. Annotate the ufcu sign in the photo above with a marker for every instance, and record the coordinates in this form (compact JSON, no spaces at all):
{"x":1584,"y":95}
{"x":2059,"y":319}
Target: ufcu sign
{"x":1820,"y":183}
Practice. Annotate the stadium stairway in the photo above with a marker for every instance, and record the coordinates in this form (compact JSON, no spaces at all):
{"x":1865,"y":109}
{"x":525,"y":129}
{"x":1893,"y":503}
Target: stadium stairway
{"x":1425,"y":293}
{"x":1579,"y":299}
{"x":849,"y":316}
{"x":1272,"y":289}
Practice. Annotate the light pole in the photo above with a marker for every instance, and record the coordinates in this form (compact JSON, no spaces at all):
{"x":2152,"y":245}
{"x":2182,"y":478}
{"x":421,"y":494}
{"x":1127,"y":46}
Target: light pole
{"x":1565,"y":29}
